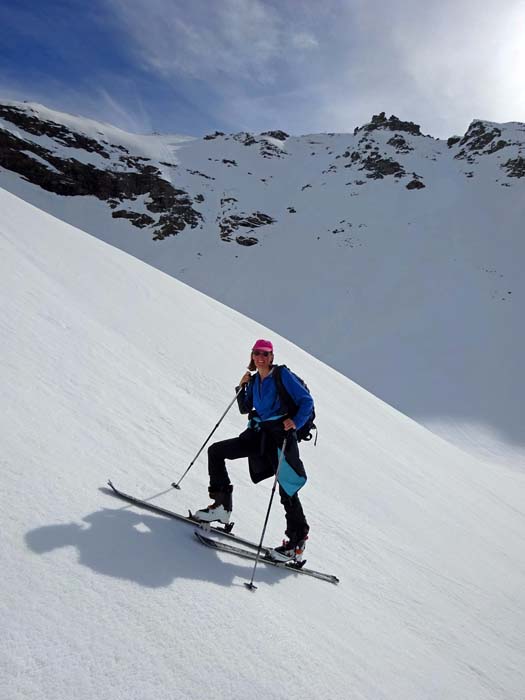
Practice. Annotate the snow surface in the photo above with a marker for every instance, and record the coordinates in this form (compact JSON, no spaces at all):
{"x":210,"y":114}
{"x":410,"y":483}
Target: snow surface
{"x":109,"y":368}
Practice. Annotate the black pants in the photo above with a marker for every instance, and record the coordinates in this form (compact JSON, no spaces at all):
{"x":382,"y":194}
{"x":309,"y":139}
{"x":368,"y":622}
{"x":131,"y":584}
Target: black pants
{"x":261,"y":449}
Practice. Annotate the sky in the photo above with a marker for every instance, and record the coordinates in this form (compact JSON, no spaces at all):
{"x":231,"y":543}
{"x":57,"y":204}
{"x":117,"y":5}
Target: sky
{"x":190,"y":67}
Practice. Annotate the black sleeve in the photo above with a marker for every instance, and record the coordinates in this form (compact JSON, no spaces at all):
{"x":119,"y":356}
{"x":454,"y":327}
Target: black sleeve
{"x":244,"y":398}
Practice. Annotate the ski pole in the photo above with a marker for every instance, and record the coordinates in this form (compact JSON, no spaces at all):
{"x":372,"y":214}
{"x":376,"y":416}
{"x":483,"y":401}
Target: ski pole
{"x":176,"y":484}
{"x":251,"y":585}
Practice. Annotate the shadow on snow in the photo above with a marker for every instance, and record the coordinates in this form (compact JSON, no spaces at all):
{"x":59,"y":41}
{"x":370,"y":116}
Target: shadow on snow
{"x":144,"y":548}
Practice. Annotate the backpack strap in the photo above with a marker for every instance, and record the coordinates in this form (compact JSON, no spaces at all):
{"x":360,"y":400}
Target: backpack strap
{"x":289,"y":403}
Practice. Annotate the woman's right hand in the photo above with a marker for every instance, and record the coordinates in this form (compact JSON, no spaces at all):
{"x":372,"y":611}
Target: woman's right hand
{"x":245,"y":378}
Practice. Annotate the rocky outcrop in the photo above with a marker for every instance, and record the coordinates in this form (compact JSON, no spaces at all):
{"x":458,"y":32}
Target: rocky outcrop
{"x":378,"y":167}
{"x":368,"y":156}
{"x":266,"y":148}
{"x":480,"y":138}
{"x":71,"y":177}
{"x":270,"y":150}
{"x":32,"y":124}
{"x":515,"y":167}
{"x":229,"y":224}
{"x":400,"y":144}
{"x":245,"y":138}
{"x":415,"y":185}
{"x":247,"y":240}
{"x":279,"y":135}
{"x":139,"y":220}
{"x":393,"y":123}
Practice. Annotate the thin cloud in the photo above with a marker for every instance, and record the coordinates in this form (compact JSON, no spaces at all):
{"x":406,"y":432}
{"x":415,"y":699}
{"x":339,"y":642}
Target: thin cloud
{"x":299,"y":65}
{"x":243,"y":40}
{"x":310,"y":68}
{"x":440,"y":65}
{"x":100,"y":105}
{"x":304,"y":41}
{"x":471,"y":66}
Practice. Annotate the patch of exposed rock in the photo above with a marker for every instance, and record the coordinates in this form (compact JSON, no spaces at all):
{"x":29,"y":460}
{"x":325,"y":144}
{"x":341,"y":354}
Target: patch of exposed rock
{"x":247,"y":240}
{"x":245,"y":138}
{"x":415,"y":185}
{"x":58,"y":132}
{"x":139,"y":220}
{"x":270,"y":150}
{"x":279,"y":135}
{"x":400,"y":144}
{"x":70,"y":177}
{"x":515,"y":167}
{"x":267,"y":149}
{"x":393,"y":123}
{"x":379,"y":167}
{"x":229,"y":224}
{"x":210,"y":137}
{"x":480,"y":138}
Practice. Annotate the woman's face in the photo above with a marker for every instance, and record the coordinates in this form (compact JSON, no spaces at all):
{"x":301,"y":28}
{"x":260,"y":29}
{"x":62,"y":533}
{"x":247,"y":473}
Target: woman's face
{"x":262,"y":359}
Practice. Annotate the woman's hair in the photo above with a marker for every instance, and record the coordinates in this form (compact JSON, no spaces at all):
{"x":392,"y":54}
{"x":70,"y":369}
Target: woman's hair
{"x":252,"y":366}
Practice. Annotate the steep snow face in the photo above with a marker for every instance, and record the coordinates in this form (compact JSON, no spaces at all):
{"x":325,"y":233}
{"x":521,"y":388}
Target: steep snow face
{"x":110,"y":368}
{"x":393,"y":256}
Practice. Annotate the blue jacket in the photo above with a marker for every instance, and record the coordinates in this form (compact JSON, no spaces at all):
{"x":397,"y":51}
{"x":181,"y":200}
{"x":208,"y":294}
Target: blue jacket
{"x":264,"y":398}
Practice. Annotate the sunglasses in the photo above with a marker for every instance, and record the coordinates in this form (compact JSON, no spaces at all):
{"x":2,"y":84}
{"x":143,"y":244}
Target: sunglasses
{"x":264,"y":353}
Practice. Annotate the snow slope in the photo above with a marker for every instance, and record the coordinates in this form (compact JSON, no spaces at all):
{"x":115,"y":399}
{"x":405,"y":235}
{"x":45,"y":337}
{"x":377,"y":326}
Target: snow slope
{"x":110,"y":368}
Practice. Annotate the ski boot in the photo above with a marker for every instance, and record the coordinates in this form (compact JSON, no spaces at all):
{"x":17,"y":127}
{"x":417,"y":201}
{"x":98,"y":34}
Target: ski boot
{"x":220,"y":510}
{"x":292,"y":549}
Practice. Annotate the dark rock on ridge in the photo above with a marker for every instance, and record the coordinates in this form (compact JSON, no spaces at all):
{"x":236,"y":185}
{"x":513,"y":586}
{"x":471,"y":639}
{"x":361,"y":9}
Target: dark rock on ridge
{"x":58,"y":132}
{"x":393,"y":123}
{"x":515,"y":167}
{"x":480,"y":138}
{"x":279,"y":135}
{"x":70,"y":177}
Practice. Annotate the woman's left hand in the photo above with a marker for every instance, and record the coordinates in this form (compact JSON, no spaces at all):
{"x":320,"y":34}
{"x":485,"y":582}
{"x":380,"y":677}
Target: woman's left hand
{"x":289,"y":424}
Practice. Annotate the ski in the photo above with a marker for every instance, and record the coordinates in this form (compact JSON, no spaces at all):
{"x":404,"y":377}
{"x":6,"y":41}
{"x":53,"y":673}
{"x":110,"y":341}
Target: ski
{"x":296,"y":567}
{"x":223,"y":531}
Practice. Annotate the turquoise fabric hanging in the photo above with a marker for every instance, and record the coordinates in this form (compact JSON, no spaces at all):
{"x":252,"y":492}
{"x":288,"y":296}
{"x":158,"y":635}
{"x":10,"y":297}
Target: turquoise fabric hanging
{"x":289,"y":479}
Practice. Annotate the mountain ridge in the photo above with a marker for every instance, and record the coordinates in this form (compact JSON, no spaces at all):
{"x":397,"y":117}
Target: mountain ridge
{"x":391,"y":255}
{"x":125,"y":176}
